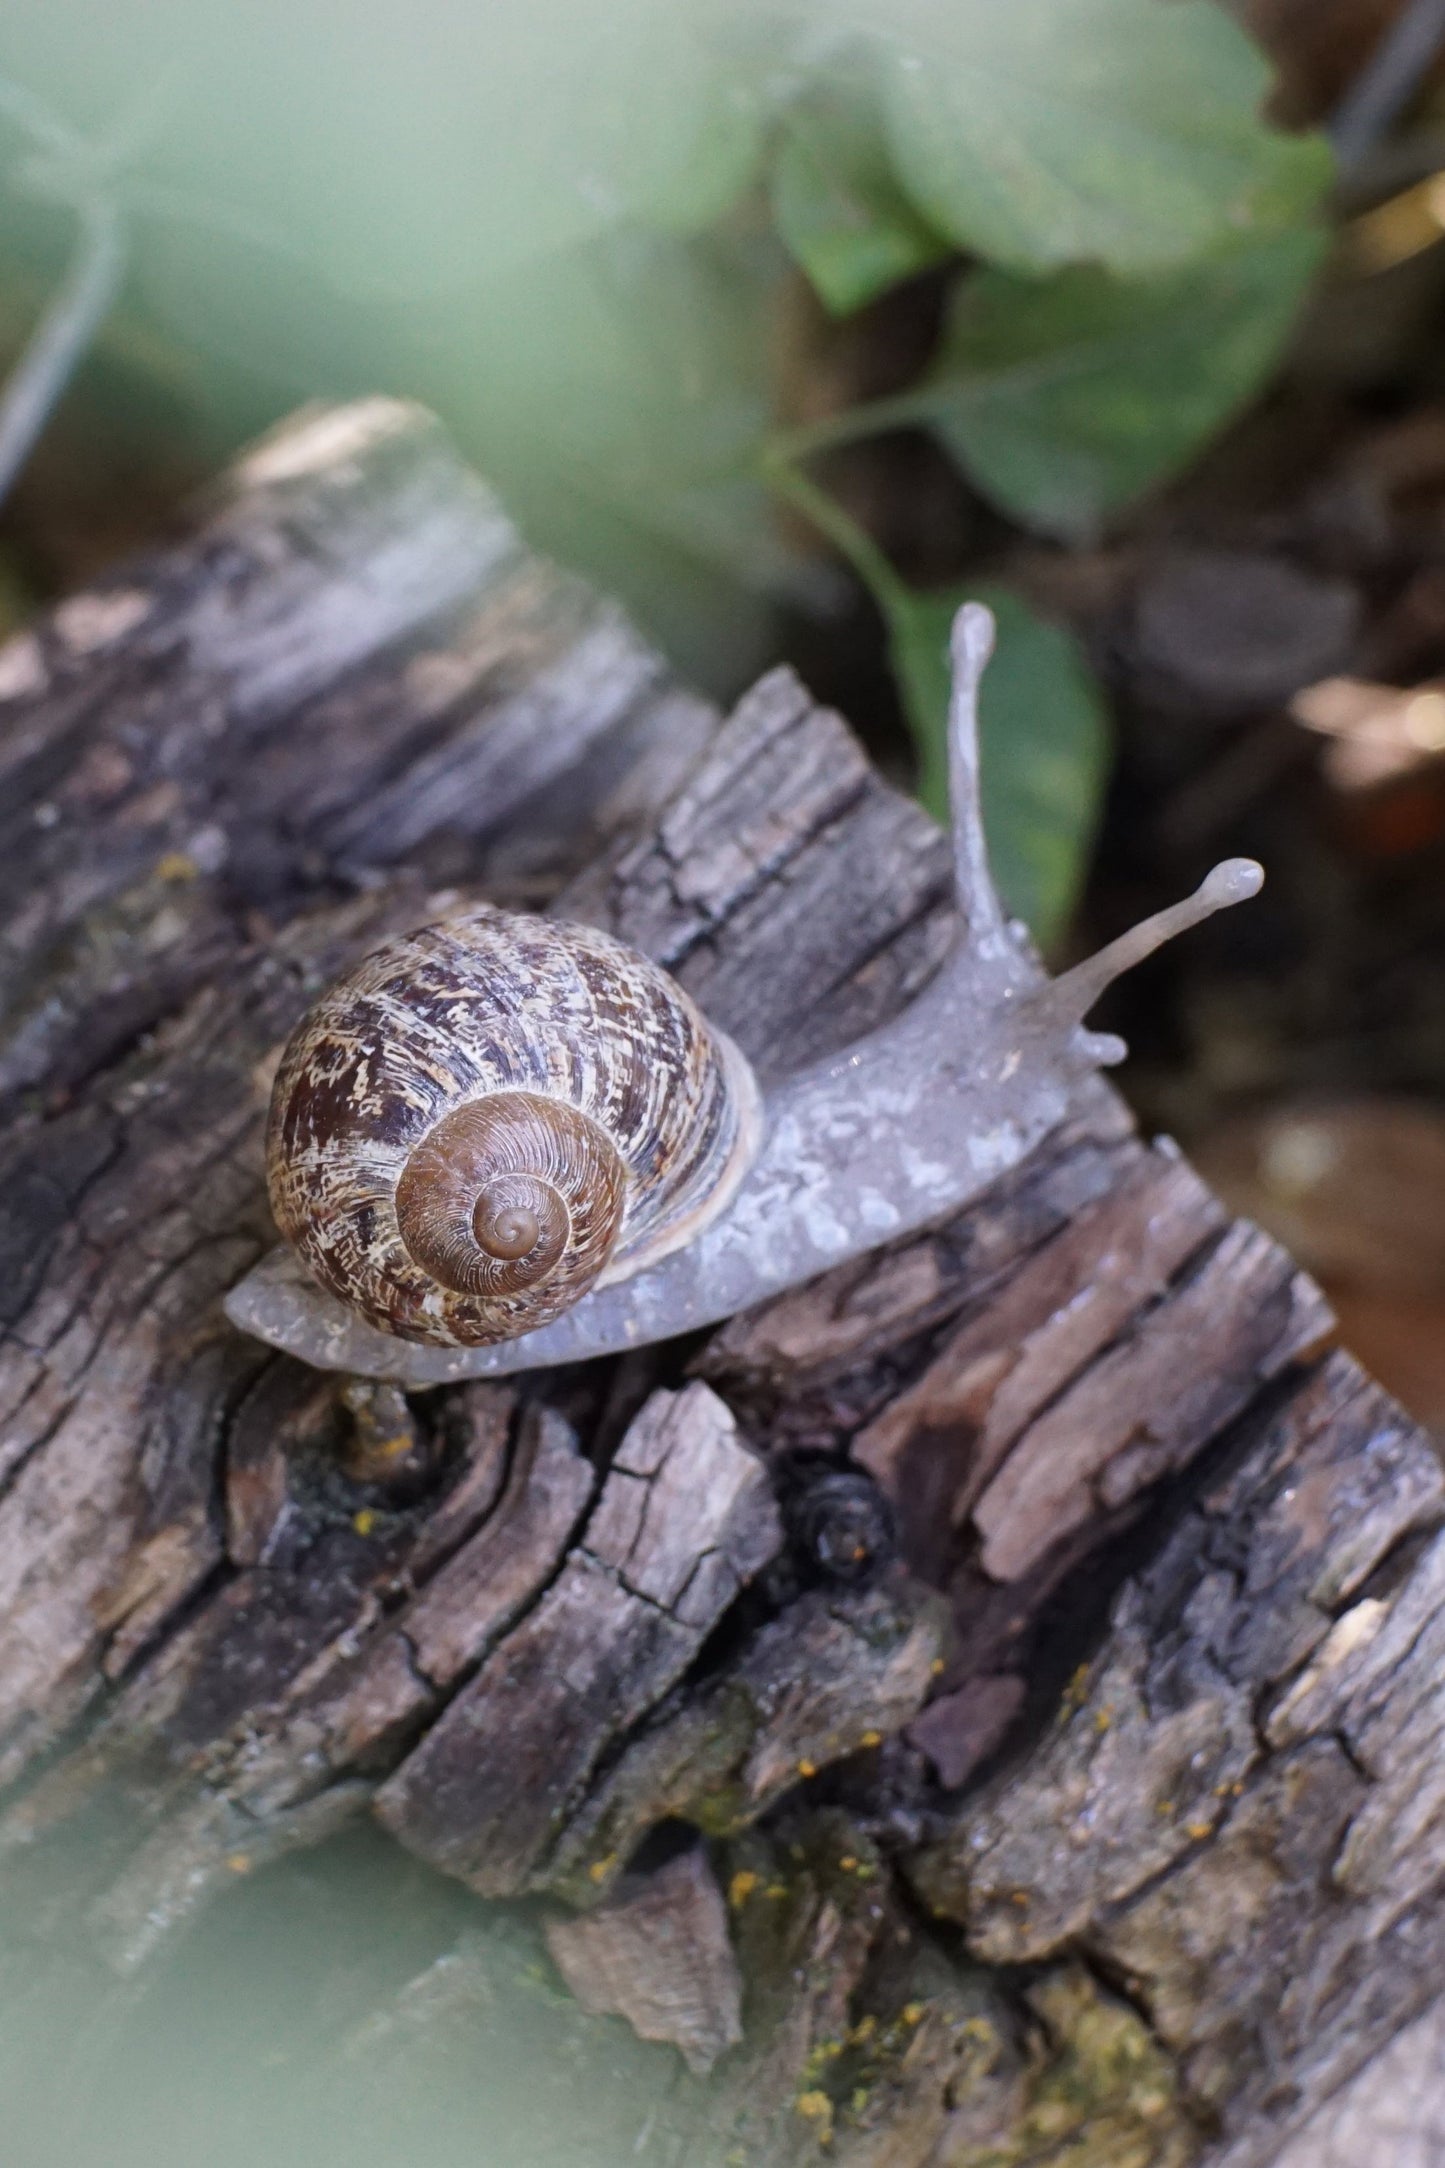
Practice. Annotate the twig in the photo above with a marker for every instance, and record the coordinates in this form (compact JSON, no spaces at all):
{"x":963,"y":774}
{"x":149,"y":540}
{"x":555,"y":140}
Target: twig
{"x":79,"y":174}
{"x":61,"y":338}
{"x":1387,"y":81}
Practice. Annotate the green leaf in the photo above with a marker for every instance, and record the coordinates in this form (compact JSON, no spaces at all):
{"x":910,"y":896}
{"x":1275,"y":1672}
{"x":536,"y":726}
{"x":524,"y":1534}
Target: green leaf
{"x":614,"y":396}
{"x":838,"y":205}
{"x":1046,"y":132}
{"x":670,"y":115}
{"x":641,"y":357}
{"x":1044,"y":745}
{"x":1067,"y":397}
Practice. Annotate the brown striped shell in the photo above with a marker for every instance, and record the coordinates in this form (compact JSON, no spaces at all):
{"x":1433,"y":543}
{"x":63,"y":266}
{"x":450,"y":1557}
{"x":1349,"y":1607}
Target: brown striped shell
{"x":492,"y":1114}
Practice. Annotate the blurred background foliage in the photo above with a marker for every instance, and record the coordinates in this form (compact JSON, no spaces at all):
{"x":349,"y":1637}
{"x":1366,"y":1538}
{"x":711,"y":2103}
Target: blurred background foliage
{"x":623,"y":247}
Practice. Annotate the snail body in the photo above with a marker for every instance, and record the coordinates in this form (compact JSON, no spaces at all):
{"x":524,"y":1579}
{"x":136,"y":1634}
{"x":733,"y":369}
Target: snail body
{"x":511,"y":1142}
{"x":495,"y":1113}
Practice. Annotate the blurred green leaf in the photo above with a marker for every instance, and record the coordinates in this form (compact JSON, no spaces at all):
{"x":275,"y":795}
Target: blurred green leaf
{"x":615,"y":395}
{"x":641,"y":360}
{"x":1044,"y":744}
{"x":1127,"y":132}
{"x":670,"y":130}
{"x":539,"y":219}
{"x":436,"y":144}
{"x":431,"y":147}
{"x":1069,"y":396}
{"x":838,"y":205}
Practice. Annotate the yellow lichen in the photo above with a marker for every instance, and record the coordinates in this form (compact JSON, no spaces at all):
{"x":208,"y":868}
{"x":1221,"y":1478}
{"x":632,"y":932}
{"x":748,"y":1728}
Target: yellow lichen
{"x":1076,"y":1692}
{"x":818,"y":2109}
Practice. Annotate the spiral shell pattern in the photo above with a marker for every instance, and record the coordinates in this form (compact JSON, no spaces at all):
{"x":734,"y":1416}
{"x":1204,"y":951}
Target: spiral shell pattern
{"x":491,"y":1114}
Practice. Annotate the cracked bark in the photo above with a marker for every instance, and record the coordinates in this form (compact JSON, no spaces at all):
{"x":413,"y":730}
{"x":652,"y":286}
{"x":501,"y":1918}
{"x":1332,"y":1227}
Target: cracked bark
{"x":1153,"y":1869}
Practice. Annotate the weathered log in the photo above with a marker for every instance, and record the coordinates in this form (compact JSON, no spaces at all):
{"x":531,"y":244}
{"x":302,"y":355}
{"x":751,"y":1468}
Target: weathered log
{"x":531,"y":1624}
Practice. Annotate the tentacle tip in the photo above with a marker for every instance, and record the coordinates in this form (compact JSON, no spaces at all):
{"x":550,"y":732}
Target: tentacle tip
{"x":971,"y":640}
{"x":1234,"y":880}
{"x":1103,"y":1049}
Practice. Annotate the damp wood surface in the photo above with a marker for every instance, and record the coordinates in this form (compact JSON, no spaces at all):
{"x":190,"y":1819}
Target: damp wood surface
{"x":981,"y":1707}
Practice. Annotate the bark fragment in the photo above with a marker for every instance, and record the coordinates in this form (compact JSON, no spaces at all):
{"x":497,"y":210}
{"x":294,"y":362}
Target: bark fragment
{"x":658,"y":1954}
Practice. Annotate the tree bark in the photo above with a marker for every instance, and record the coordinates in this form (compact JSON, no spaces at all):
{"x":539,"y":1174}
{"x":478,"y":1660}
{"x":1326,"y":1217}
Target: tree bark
{"x":1035,"y":1621}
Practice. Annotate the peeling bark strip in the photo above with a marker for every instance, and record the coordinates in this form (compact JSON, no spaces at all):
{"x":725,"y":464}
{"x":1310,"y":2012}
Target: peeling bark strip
{"x":660,"y":1955}
{"x":685,"y":1518}
{"x":529,"y":1624}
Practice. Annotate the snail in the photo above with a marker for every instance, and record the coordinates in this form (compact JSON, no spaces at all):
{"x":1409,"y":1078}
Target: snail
{"x":505,"y":1142}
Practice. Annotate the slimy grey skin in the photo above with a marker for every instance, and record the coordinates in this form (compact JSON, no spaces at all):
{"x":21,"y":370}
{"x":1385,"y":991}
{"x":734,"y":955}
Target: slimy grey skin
{"x":504,"y":1143}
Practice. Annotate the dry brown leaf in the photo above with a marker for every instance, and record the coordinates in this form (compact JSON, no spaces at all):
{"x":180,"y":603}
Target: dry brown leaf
{"x":1356,"y":1190}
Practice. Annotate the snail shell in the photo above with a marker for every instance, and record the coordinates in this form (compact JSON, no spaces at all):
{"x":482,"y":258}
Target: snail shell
{"x":495,"y":1113}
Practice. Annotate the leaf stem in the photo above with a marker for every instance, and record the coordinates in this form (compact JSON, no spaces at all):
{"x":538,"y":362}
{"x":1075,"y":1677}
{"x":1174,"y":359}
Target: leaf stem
{"x":897,"y":603}
{"x":1387,"y":81}
{"x":852,"y":542}
{"x":871,"y":418}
